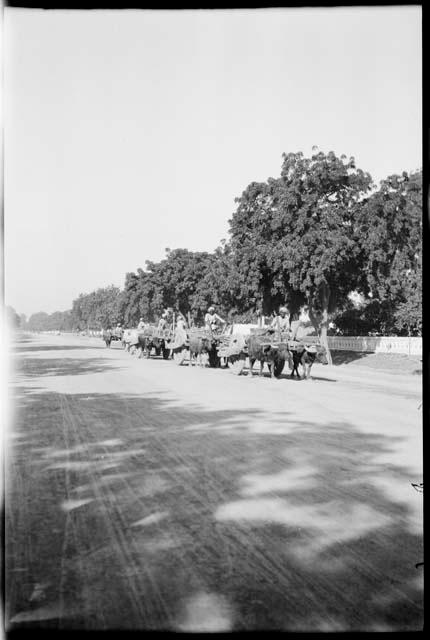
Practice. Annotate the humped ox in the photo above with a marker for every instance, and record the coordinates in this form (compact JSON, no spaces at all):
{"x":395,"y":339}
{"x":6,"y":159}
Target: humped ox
{"x":153,"y":338}
{"x":108,"y":335}
{"x":200,"y":346}
{"x":306,"y":357}
{"x":259,"y":348}
{"x":306,"y":354}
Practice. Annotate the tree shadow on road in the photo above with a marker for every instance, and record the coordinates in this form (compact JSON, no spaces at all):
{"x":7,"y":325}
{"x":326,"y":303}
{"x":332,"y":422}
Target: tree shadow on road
{"x":56,"y":348}
{"x":287,"y":376}
{"x":140,"y":513}
{"x":38,"y":367}
{"x":345,"y":357}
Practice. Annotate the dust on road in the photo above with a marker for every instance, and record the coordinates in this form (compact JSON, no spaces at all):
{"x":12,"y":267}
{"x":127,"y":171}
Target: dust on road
{"x":143,"y":495}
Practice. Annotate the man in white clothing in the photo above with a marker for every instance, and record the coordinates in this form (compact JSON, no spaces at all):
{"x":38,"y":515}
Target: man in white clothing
{"x":213,"y":320}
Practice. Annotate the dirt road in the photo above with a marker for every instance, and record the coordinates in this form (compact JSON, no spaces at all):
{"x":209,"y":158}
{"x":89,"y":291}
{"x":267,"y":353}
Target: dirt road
{"x":143,"y":495}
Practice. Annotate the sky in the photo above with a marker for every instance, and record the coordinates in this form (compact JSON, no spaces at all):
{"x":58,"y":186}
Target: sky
{"x":126,"y":132}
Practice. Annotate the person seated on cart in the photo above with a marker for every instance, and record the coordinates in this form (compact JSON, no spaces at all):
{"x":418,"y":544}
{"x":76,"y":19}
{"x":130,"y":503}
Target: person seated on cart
{"x":302,"y":327}
{"x":181,"y":321}
{"x":141,"y":325}
{"x":162,"y":323}
{"x":118,"y":330}
{"x":284,"y":326}
{"x":213,"y":320}
{"x":283,"y":319}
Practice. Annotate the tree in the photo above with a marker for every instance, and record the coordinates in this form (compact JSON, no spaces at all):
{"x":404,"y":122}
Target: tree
{"x":184,"y":280}
{"x":12,"y":318}
{"x":408,"y":315}
{"x":219,"y":285}
{"x":370,"y":317}
{"x":98,"y":309}
{"x":57,"y":321}
{"x":294,"y":237}
{"x":390,"y":232}
{"x":38,"y":321}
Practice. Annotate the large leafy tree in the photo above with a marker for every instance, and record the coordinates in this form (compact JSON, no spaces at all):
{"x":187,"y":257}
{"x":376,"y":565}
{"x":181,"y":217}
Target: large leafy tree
{"x":219,"y":286}
{"x":98,"y":309}
{"x":184,"y":280}
{"x":294,"y":237}
{"x":57,"y":321}
{"x":178,"y":275}
{"x":12,"y":318}
{"x":389,"y":226}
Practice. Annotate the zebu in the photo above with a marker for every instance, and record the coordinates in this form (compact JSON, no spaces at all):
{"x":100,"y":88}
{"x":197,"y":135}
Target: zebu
{"x":153,"y":338}
{"x":200,"y":344}
{"x":263,"y":346}
{"x":108,"y":335}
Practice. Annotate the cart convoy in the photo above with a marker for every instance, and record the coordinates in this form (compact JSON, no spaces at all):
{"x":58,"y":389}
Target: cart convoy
{"x":229,"y":346}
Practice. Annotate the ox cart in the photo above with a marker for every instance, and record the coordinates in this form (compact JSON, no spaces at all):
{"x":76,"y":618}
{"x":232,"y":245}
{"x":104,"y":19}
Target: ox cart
{"x":152,"y":338}
{"x":266,"y":345}
{"x":110,"y":335}
{"x":198,"y":345}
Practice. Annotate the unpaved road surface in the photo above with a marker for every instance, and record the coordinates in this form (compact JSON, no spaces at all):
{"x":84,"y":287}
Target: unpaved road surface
{"x":144,"y":495}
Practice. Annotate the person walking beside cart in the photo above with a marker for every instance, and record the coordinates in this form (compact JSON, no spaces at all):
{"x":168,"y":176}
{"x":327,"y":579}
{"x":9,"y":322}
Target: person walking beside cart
{"x":180,"y":337}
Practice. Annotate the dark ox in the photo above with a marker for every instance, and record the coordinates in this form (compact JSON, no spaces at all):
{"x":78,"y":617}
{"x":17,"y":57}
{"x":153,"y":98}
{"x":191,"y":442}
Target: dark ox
{"x":274,"y":356}
{"x":148,"y":341}
{"x":144,"y":345}
{"x":306,"y":359}
{"x":107,"y":337}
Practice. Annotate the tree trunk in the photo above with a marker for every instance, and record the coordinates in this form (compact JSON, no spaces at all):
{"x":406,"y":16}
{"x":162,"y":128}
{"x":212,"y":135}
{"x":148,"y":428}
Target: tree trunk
{"x":321,"y":325}
{"x":324,"y":323}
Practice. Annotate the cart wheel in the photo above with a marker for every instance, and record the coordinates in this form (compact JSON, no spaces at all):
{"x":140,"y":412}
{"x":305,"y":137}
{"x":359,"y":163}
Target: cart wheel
{"x":180,"y":356}
{"x":279,"y":367}
{"x":236,"y":364}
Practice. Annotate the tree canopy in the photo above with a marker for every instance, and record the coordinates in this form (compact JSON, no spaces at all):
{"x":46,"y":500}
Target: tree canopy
{"x":57,"y":321}
{"x":319,"y":231}
{"x":98,"y":309}
{"x":294,"y":237}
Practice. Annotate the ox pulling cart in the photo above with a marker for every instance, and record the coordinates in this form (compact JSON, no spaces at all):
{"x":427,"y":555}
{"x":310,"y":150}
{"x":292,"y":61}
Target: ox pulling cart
{"x":152,"y":338}
{"x":198,"y":345}
{"x":112,"y":335}
{"x":266,"y":345}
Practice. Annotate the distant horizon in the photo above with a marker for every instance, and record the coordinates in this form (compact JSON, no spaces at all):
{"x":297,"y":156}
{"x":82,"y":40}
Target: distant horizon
{"x":141,"y":137}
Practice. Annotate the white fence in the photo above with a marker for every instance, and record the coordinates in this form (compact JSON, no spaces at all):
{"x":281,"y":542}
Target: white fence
{"x":409,"y":346}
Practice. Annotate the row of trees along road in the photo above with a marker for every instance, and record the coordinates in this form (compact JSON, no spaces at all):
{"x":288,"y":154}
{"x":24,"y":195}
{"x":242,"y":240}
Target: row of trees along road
{"x":319,"y":231}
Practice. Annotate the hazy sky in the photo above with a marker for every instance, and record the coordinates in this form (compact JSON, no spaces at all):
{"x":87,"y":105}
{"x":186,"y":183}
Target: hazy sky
{"x":127,"y":132}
